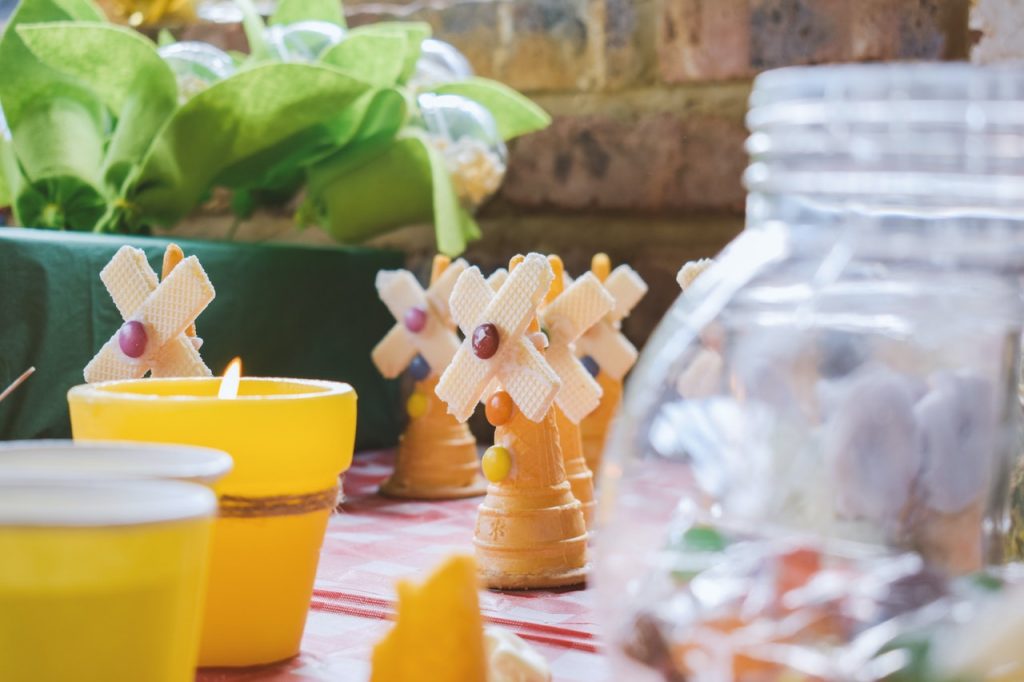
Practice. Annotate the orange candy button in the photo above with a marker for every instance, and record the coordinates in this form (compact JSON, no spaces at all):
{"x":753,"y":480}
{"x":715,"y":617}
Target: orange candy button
{"x":499,"y":408}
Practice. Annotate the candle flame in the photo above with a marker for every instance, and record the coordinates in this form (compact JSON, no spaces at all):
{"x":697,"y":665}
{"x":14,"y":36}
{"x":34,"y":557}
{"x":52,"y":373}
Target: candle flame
{"x":232,"y":377}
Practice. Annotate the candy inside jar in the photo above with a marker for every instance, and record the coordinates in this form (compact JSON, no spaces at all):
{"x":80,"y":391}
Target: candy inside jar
{"x":196,"y":65}
{"x":799,"y":609}
{"x":303,"y":41}
{"x":467,"y":135}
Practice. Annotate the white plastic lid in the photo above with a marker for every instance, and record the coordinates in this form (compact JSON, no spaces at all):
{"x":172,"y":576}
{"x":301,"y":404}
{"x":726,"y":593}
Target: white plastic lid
{"x":64,"y":459}
{"x":97,"y":503}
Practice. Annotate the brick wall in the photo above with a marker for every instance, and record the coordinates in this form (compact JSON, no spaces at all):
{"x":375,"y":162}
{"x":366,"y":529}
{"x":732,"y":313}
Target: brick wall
{"x":646,"y":151}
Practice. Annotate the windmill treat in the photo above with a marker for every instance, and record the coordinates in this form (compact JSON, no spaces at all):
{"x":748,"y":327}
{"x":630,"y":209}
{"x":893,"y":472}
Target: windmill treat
{"x":156,"y":315}
{"x":437,"y":455}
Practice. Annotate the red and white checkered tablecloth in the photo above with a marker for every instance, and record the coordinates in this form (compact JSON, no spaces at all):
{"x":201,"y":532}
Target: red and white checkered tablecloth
{"x":375,"y":541}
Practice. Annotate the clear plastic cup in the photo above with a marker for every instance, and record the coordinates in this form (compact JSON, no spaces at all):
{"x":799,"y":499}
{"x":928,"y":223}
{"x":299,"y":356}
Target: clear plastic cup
{"x":101,"y":580}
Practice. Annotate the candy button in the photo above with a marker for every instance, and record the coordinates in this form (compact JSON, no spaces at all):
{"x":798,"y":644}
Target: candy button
{"x":591,"y":365}
{"x":132,"y":339}
{"x":499,"y":408}
{"x":485,"y":341}
{"x":415,"y":319}
{"x":496,"y":463}
{"x":419,"y":368}
{"x":416,"y":406}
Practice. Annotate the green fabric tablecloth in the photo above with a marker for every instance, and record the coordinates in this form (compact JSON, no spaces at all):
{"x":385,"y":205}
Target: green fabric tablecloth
{"x":285,"y":310}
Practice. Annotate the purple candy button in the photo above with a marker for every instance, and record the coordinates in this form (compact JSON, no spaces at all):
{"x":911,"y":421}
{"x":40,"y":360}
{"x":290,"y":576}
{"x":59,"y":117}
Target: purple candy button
{"x":132,"y":339}
{"x":415,"y":320}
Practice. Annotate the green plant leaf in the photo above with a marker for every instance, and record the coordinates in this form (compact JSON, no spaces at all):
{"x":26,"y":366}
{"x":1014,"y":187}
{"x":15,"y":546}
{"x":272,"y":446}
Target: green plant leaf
{"x":57,"y":125}
{"x":382,"y":120}
{"x":165,"y":38}
{"x":252,"y":24}
{"x":81,"y":10}
{"x":124,"y":70}
{"x":60,"y":153}
{"x":230,"y":124}
{"x":112,"y":61}
{"x":6,"y":191}
{"x":292,"y":11}
{"x":58,"y":138}
{"x":25,"y":80}
{"x":60,"y":202}
{"x":514,"y":113}
{"x":242,"y":204}
{"x":383,"y":117}
{"x":374,"y":57}
{"x":448,"y":223}
{"x":415,"y":32}
{"x":470,"y":228}
{"x":365,"y":190}
{"x":374,"y":114}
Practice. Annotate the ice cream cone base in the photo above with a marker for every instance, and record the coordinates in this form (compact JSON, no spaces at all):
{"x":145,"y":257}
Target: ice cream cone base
{"x":594,"y":428}
{"x":530,"y":530}
{"x":437,"y":456}
{"x":581,"y":479}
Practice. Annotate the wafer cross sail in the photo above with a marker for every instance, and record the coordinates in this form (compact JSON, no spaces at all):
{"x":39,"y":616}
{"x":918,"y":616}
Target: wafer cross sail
{"x":603,"y":342}
{"x":497,"y":345}
{"x":571,"y":312}
{"x":424,"y":324}
{"x":157,"y":315}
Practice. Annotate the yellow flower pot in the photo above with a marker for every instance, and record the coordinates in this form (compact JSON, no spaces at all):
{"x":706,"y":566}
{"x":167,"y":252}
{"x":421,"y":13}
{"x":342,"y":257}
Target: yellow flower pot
{"x":290,"y":440}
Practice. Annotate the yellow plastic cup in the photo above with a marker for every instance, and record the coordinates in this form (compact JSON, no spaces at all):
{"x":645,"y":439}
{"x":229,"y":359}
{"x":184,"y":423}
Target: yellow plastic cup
{"x":101,"y":580}
{"x":290,"y":439}
{"x":66,"y":459}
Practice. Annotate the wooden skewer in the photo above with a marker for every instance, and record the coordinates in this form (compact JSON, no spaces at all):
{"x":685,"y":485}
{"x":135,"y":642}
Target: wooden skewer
{"x":558,"y":283}
{"x":601,"y":265}
{"x":440,"y":264}
{"x":17,"y":382}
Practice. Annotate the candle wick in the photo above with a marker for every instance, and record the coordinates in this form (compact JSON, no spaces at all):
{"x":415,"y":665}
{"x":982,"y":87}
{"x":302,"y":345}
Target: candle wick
{"x":17,"y":382}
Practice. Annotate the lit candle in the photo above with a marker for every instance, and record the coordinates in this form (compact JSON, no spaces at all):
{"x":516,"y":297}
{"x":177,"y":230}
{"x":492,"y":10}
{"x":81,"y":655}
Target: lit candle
{"x":232,"y":378}
{"x":290,"y":440}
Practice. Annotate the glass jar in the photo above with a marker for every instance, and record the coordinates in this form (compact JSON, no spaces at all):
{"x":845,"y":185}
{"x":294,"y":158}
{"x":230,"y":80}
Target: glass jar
{"x":467,"y":136}
{"x":833,"y":403}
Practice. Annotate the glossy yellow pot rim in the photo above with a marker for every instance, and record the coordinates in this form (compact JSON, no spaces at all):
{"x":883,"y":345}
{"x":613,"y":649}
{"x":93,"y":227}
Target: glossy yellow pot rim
{"x":204,"y":390}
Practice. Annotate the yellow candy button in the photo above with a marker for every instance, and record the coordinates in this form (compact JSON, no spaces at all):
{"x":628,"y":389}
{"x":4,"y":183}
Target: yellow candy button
{"x":417,"y":405}
{"x":497,"y":463}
